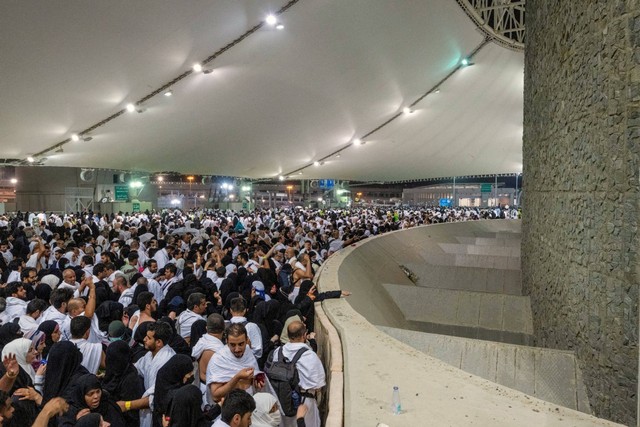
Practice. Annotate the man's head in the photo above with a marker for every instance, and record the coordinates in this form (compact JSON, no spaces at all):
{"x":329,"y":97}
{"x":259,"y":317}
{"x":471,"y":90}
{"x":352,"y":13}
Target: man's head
{"x":80,"y":326}
{"x":197,"y":303}
{"x":158,"y":335}
{"x":60,"y":298}
{"x":120,"y":283}
{"x":237,"y":339}
{"x":152,"y":264}
{"x":147,"y":302}
{"x":29,"y":275}
{"x":170,"y":271}
{"x":36,"y":307}
{"x":75,"y":307}
{"x":215,"y":324}
{"x":69,"y":276}
{"x":238,"y":307}
{"x":16,"y":290}
{"x":237,"y":408}
{"x":100,"y":271}
{"x":297,"y":331}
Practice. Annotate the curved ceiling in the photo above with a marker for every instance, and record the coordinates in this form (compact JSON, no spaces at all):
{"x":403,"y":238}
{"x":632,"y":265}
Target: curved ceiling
{"x":274,"y":103}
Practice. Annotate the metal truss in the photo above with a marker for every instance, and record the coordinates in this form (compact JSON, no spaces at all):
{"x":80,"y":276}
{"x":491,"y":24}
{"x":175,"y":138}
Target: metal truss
{"x":500,"y":20}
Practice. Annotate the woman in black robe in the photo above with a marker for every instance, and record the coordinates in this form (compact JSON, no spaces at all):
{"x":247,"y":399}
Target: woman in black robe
{"x":63,"y":371}
{"x":121,"y":379}
{"x":184,"y":409}
{"x":51,"y":331}
{"x":177,"y":372}
{"x":88,"y":396}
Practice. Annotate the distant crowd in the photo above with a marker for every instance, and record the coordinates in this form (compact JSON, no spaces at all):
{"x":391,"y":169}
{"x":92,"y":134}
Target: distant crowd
{"x":174,"y":318}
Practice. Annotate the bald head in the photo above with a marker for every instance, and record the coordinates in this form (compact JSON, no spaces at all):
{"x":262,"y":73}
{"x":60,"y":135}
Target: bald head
{"x":297,"y":331}
{"x":75,"y":306}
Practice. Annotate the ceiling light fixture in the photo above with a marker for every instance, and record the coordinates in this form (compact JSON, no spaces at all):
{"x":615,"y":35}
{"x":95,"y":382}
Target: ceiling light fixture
{"x":14,"y":181}
{"x":281,"y":178}
{"x":279,"y":27}
{"x":357,"y":141}
{"x":75,"y":137}
{"x":197,"y":67}
{"x":466,"y":62}
{"x":30,"y":159}
{"x":131,"y":108}
{"x":168,"y":93}
{"x":437,"y":90}
{"x":271,"y":20}
{"x":407,"y":110}
{"x":316,"y":163}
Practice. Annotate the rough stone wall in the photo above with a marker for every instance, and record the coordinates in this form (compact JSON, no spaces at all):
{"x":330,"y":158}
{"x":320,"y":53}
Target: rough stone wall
{"x":581,"y":159}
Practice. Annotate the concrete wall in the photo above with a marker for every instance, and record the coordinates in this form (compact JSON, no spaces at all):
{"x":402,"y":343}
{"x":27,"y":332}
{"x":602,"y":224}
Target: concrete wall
{"x":581,"y":158}
{"x":43,"y":188}
{"x":432,"y":392}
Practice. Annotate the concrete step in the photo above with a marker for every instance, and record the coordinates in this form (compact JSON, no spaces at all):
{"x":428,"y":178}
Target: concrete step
{"x":466,"y":260}
{"x":550,"y":375}
{"x":495,"y":317}
{"x":514,"y":240}
{"x":461,"y":248}
{"x":467,"y":278}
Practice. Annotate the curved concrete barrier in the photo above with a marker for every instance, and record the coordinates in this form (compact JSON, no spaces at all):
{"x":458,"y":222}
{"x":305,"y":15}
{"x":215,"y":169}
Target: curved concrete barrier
{"x":432,"y":392}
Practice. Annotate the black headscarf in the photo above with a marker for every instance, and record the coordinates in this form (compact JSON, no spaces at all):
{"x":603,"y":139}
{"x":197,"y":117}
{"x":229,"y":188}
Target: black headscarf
{"x":266,"y":313}
{"x":89,"y":420}
{"x":63,"y":370}
{"x":170,"y":378}
{"x":184,"y":408}
{"x":107,"y":406}
{"x":107,"y":312}
{"x":8,"y":333}
{"x":198,"y":329}
{"x":48,"y":326}
{"x":177,"y":343}
{"x":305,"y":287}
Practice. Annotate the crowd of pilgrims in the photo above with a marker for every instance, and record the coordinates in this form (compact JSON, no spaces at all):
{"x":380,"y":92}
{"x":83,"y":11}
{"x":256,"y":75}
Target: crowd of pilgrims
{"x":167,"y":318}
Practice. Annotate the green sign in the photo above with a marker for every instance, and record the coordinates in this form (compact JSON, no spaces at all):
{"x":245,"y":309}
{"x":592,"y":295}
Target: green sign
{"x":122,"y":193}
{"x":245,"y":205}
{"x":136,"y":207}
{"x":485,"y":188}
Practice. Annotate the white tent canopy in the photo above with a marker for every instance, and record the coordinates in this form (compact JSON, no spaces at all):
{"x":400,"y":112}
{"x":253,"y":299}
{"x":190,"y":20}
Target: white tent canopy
{"x":275,"y":102}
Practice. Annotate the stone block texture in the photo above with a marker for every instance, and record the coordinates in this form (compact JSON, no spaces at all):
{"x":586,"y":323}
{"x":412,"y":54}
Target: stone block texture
{"x":581,"y":158}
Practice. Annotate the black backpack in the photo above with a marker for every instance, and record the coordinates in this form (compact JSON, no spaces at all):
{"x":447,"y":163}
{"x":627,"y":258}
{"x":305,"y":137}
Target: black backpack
{"x":284,"y":379}
{"x":285,"y":278}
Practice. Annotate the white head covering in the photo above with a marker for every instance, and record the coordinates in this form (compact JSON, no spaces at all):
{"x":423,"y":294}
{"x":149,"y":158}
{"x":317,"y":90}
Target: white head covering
{"x":20,"y":347}
{"x":51,"y":279}
{"x":261,"y":416}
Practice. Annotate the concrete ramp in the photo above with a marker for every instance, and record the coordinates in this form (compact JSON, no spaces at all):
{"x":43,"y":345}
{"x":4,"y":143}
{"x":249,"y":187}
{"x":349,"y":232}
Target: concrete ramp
{"x":550,"y":375}
{"x":496,"y":317}
{"x":475,"y":279}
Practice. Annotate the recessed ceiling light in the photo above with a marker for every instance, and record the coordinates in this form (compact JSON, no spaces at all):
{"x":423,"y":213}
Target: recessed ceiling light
{"x":14,"y":181}
{"x":279,"y":27}
{"x":281,"y":178}
{"x":437,"y":90}
{"x":75,"y":137}
{"x":407,"y":110}
{"x":131,"y":108}
{"x":197,"y":67}
{"x":271,"y":20}
{"x":30,"y":159}
{"x":316,"y":163}
{"x":168,"y":93}
{"x":357,"y":141}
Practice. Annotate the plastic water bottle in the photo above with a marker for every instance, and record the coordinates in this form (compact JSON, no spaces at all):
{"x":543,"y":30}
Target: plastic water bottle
{"x":396,"y":407}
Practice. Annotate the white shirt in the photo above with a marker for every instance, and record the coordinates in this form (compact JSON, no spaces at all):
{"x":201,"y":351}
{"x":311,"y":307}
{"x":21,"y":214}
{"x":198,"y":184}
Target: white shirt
{"x":14,"y":276}
{"x":310,"y":370}
{"x":186,"y":319}
{"x":95,"y":334}
{"x":51,"y":313}
{"x":91,"y":354}
{"x":126,"y":297}
{"x":28,"y":324}
{"x":15,"y":308}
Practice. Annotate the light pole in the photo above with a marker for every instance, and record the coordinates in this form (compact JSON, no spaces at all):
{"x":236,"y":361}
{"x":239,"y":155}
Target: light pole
{"x":190,"y":178}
